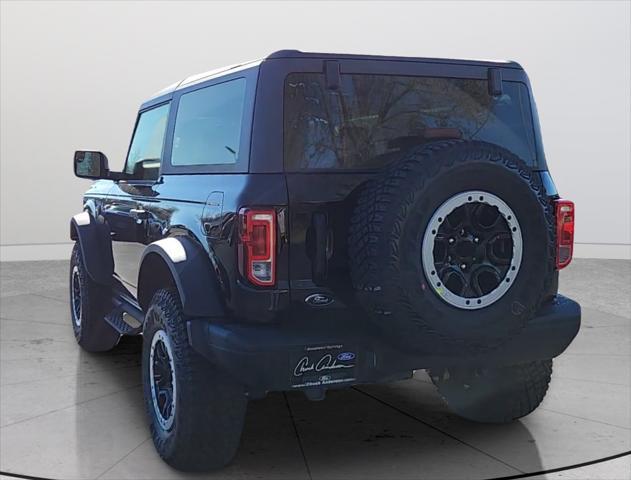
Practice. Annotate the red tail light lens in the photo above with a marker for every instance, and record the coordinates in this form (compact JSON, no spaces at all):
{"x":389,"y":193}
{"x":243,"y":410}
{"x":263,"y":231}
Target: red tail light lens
{"x":257,"y":246}
{"x":565,"y":232}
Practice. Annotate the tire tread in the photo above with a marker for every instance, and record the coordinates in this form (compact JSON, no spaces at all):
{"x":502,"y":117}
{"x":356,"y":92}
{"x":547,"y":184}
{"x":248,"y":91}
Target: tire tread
{"x":211,"y":407}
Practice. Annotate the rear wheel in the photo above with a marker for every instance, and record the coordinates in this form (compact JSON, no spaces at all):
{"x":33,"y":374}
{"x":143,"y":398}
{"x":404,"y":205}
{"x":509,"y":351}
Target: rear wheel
{"x":195,"y":411}
{"x":494,"y":395}
{"x":89,"y":303}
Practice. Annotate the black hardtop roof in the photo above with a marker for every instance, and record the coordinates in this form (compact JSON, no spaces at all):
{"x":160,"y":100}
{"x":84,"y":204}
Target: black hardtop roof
{"x":349,"y":56}
{"x":297,"y":54}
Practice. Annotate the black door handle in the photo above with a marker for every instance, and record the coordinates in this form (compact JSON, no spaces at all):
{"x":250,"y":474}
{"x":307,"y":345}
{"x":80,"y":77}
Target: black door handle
{"x":139,"y":213}
{"x":319,"y":263}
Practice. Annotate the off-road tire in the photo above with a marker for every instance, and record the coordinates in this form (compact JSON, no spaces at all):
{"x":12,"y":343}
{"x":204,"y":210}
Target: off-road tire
{"x":498,"y":395}
{"x":92,"y":332}
{"x":385,"y":237}
{"x":210,"y":407}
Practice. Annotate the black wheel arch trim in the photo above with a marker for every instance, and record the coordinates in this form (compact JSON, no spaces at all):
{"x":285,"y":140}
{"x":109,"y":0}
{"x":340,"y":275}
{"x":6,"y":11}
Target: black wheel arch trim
{"x":191,"y":272}
{"x":94,"y":238}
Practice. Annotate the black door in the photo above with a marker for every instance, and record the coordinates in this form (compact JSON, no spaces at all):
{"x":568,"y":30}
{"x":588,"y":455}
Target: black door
{"x":126,"y":209}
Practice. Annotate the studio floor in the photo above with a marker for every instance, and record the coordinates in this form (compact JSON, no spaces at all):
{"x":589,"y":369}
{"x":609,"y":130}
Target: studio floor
{"x":65,"y":413}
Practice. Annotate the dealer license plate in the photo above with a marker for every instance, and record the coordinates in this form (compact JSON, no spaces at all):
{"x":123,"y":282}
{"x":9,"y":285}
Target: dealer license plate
{"x":318,"y":365}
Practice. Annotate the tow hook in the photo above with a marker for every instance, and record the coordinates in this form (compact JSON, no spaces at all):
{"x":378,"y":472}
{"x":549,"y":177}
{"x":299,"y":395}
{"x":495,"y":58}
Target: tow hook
{"x":315,"y":394}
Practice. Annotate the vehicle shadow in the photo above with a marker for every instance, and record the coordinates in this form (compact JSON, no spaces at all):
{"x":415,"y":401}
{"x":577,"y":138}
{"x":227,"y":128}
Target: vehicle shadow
{"x":399,"y":430}
{"x":404,"y":430}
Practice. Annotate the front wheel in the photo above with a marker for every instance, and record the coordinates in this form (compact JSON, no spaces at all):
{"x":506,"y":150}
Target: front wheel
{"x":195,"y":411}
{"x":494,"y":395}
{"x":89,"y":303}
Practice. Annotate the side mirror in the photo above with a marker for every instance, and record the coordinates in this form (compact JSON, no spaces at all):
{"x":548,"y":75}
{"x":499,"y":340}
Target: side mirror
{"x":88,"y":164}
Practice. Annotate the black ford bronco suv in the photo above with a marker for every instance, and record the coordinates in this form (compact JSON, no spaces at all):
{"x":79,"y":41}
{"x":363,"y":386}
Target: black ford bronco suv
{"x":314,"y":221}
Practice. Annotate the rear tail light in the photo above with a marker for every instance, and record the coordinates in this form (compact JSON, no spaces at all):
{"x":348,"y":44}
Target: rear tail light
{"x":257,"y":246}
{"x":565,"y":232}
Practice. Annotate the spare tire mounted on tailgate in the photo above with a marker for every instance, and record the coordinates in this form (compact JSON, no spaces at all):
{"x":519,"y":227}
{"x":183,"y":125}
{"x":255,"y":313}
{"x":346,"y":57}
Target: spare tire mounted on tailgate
{"x":454,"y":246}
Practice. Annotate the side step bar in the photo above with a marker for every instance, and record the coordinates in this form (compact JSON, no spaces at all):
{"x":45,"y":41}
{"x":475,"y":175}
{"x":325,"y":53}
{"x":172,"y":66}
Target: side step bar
{"x":125,"y":317}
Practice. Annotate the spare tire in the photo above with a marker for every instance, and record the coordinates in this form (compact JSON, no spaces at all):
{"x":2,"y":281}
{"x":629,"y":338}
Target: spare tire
{"x":453,"y":248}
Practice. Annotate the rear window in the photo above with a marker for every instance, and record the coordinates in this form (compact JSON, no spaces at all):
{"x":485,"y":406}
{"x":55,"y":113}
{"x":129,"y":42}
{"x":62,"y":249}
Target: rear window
{"x":371,"y":118}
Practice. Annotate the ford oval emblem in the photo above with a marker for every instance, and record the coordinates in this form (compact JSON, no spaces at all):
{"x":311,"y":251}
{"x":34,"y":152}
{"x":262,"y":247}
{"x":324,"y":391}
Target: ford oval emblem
{"x":318,"y":300}
{"x":346,"y":356}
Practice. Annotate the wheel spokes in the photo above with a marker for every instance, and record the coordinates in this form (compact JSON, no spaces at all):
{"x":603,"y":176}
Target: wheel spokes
{"x":499,"y":249}
{"x":456,"y":281}
{"x":486,"y":217}
{"x":163,"y":386}
{"x":165,"y":402}
{"x":485,"y":279}
{"x":76,"y":296}
{"x":474,"y":242}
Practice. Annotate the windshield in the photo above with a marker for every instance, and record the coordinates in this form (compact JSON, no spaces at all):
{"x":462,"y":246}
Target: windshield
{"x":370,"y":118}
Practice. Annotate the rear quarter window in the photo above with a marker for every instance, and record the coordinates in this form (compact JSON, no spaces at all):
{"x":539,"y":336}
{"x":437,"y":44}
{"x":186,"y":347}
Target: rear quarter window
{"x":370,"y":118}
{"x":208,"y":125}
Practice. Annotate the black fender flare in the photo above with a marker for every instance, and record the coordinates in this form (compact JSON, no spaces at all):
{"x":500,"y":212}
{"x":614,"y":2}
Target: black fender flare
{"x":96,"y":246}
{"x":192,"y":273}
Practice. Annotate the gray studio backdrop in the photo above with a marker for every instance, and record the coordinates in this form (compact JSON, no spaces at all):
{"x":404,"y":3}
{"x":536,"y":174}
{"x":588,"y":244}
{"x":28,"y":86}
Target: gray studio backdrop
{"x":73,"y":74}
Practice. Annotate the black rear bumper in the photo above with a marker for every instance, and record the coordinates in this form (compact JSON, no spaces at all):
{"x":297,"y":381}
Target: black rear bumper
{"x":263,"y":357}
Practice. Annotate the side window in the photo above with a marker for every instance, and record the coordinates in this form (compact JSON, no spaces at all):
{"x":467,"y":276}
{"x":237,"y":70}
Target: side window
{"x":208,"y":125}
{"x":145,"y":153}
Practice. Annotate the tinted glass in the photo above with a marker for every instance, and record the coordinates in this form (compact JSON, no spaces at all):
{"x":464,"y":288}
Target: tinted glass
{"x":145,"y":153}
{"x":372,"y":117}
{"x":208,"y":125}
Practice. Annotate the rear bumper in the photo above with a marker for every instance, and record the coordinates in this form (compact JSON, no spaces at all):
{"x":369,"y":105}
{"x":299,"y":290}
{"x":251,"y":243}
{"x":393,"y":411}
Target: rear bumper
{"x":263,"y":357}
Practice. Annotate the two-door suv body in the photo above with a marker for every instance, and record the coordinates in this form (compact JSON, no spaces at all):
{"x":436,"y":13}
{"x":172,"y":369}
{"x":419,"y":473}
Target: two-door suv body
{"x":314,"y":221}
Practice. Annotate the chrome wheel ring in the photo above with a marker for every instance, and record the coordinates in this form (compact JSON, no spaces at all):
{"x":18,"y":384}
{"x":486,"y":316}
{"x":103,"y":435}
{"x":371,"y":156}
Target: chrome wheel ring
{"x":162,"y":378}
{"x":75,"y":296}
{"x":473,"y":235}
